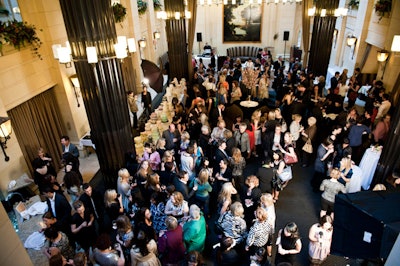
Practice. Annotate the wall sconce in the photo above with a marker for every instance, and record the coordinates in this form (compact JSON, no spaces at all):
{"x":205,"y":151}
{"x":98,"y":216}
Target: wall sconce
{"x":312,"y":11}
{"x":63,"y":54}
{"x":174,"y":15}
{"x":156,"y":35}
{"x":382,"y":57}
{"x":352,"y":41}
{"x":76,"y":85}
{"x":5,"y":132}
{"x":395,"y":44}
{"x":142,"y":44}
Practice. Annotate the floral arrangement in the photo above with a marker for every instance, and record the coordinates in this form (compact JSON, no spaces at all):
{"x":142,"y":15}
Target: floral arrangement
{"x":19,"y":34}
{"x":157,"y":5}
{"x":354,"y":4}
{"x":119,"y":12}
{"x":250,"y":78}
{"x":142,"y":7}
{"x":382,"y":7}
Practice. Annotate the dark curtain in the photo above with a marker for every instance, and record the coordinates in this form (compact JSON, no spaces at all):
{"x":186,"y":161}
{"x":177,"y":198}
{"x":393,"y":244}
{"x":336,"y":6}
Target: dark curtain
{"x":192,"y":7}
{"x":38,"y":123}
{"x":322,"y":36}
{"x":176,"y":38}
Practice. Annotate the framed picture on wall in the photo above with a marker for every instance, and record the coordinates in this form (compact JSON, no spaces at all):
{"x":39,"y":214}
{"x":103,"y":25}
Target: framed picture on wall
{"x":242,"y":23}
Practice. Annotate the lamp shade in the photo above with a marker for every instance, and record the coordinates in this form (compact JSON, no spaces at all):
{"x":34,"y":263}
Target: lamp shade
{"x":63,"y":55}
{"x":396,"y":44}
{"x":323,"y":12}
{"x":351,"y":40}
{"x":157,"y":35}
{"x":122,"y":41}
{"x":91,"y":54}
{"x":54,"y":47}
{"x":120,"y":50}
{"x":75,"y":81}
{"x":5,"y":126}
{"x":131,"y":45}
{"x":382,"y":55}
{"x":142,"y":43}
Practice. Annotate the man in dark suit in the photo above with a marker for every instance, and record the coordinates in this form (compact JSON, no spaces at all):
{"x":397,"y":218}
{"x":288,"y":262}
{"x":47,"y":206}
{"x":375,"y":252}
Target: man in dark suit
{"x":335,"y":80}
{"x":60,"y":208}
{"x":220,"y":154}
{"x":94,"y":203}
{"x":67,"y":146}
{"x":181,"y":184}
{"x":265,"y":177}
{"x":171,"y":137}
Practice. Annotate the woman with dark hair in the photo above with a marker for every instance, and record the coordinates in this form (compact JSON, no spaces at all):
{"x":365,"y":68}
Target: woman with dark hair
{"x":82,"y":226}
{"x":143,"y":253}
{"x":288,"y":244}
{"x":143,"y":222}
{"x":59,"y":240}
{"x":324,"y":151}
{"x":146,"y":100}
{"x":279,"y":166}
{"x":124,"y":233}
{"x":104,"y":255}
{"x":226,"y":254}
{"x":320,"y":237}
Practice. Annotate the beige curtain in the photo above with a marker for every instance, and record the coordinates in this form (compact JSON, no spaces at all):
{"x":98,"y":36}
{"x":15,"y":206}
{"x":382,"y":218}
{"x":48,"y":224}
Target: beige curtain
{"x":192,"y":7}
{"x":306,"y":30}
{"x":37,"y":123}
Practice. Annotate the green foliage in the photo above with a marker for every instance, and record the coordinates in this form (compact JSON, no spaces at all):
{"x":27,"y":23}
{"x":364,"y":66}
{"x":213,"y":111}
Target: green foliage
{"x":19,"y":34}
{"x":354,"y":4}
{"x":119,"y":12}
{"x":382,"y":7}
{"x":157,"y":5}
{"x":142,"y":7}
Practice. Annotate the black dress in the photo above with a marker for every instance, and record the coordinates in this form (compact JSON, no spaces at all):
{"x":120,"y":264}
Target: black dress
{"x":87,"y":235}
{"x":287,"y":243}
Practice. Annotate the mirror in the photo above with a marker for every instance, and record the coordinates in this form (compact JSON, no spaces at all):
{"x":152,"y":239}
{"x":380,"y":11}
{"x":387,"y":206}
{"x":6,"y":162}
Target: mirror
{"x":9,"y":10}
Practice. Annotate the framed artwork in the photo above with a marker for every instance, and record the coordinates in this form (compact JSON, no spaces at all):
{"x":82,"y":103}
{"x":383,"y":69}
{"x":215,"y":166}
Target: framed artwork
{"x":242,"y":23}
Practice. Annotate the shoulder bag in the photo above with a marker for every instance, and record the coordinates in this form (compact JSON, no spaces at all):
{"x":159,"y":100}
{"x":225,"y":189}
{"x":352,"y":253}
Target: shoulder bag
{"x":308,"y":146}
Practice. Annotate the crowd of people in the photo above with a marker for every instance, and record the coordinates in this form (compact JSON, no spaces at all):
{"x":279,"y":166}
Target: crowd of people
{"x":163,"y":209}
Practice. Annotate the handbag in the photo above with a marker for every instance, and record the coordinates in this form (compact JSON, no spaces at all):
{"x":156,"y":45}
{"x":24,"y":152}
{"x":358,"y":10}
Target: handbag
{"x":290,"y":159}
{"x":308,"y":146}
{"x":286,"y":174}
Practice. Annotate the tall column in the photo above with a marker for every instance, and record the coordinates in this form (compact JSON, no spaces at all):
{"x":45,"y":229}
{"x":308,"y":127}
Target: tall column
{"x":176,"y":37}
{"x":322,"y":36}
{"x":91,"y":23}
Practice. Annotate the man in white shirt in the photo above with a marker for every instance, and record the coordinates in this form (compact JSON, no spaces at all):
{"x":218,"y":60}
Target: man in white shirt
{"x":384,"y":107}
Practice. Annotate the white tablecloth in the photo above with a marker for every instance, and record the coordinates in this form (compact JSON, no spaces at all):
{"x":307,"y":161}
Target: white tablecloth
{"x":86,"y":141}
{"x":249,"y":104}
{"x":368,"y":166}
{"x":355,"y":182}
{"x":206,"y":60}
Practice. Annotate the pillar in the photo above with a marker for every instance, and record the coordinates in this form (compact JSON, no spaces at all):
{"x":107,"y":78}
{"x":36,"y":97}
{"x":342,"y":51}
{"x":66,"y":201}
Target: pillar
{"x":176,"y":38}
{"x":322,"y":36}
{"x":91,"y":23}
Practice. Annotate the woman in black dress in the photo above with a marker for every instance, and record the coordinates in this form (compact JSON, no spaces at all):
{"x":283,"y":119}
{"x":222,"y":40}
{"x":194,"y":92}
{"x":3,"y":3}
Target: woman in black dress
{"x":146,"y":101}
{"x":288,"y":244}
{"x":82,"y":226}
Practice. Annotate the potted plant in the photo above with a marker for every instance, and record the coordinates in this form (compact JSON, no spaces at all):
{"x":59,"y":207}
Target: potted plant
{"x":142,"y":7}
{"x":382,"y":7}
{"x":157,"y":5}
{"x":353,"y":4}
{"x":19,"y":34}
{"x":119,"y":12}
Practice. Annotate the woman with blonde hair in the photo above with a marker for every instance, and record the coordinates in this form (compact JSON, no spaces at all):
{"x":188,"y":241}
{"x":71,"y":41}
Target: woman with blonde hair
{"x":330,"y":187}
{"x":177,"y":206}
{"x":160,"y":146}
{"x":237,"y":163}
{"x":256,"y":126}
{"x":267,"y":202}
{"x":250,"y":196}
{"x":346,"y":171}
{"x":263,"y":84}
{"x":232,"y":223}
{"x":308,"y":134}
{"x":225,"y":197}
{"x":124,"y":188}
{"x":260,"y":232}
{"x":113,"y":207}
{"x":202,"y":194}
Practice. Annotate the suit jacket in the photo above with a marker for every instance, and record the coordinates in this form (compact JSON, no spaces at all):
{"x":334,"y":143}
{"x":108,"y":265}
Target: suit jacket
{"x":169,"y":140}
{"x":270,"y":142}
{"x":72,"y":149}
{"x":265,"y":177}
{"x":63,"y":211}
{"x":183,"y":188}
{"x":219,"y":155}
{"x":242,"y":141}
